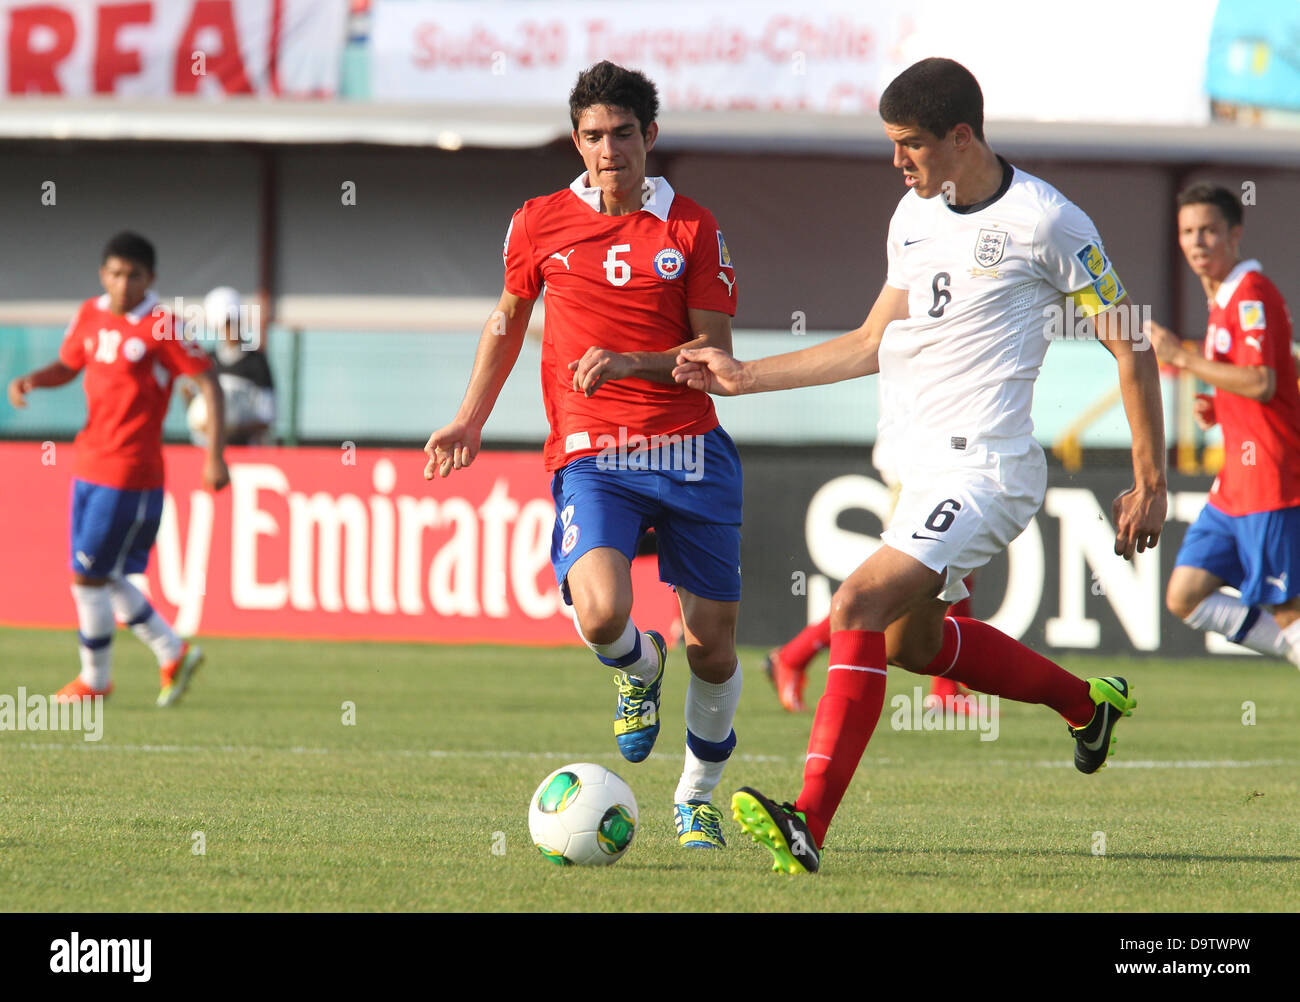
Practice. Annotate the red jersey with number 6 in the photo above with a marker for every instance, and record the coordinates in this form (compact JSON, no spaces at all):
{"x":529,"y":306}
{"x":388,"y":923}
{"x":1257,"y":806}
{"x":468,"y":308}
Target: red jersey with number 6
{"x":623,"y":283}
{"x":130,"y":363}
{"x":1249,"y":325}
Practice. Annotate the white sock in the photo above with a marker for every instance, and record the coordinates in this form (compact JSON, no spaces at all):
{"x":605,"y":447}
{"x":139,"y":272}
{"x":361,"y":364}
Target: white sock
{"x":710,"y":712}
{"x":642,"y":669}
{"x":135,"y":611}
{"x":1291,"y":643}
{"x":95,"y":631}
{"x":1224,"y":614}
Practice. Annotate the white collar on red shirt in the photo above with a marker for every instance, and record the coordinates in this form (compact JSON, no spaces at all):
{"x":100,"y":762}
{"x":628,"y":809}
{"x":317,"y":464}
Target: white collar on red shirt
{"x":656,"y":191}
{"x":142,"y":308}
{"x":1229,"y":286}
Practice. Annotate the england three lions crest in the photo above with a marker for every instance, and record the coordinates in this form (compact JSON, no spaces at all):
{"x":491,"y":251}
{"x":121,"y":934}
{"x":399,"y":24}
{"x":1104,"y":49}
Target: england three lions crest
{"x":990,"y":245}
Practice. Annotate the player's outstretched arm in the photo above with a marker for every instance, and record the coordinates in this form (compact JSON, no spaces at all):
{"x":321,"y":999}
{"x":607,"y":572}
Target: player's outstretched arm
{"x":846,"y":357}
{"x":1138,"y":513}
{"x":54,"y":374}
{"x":455,"y":445}
{"x":215,"y":473}
{"x":1255,"y":382}
{"x":712,"y":329}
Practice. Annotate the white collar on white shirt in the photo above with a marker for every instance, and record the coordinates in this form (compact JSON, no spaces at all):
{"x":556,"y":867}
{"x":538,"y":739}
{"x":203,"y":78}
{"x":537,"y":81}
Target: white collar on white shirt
{"x":657,"y":194}
{"x":142,"y":308}
{"x":1229,"y":286}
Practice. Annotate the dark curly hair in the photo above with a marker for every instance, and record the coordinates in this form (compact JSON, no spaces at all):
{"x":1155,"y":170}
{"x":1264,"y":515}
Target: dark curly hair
{"x":610,"y":84}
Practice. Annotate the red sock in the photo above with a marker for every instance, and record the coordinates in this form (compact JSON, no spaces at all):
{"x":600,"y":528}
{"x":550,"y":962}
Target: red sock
{"x":987,"y":660}
{"x":804,"y":647}
{"x":846,"y":715}
{"x":941,"y":685}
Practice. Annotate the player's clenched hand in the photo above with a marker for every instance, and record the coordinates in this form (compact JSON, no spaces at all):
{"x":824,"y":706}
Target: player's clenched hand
{"x":452,"y":447}
{"x":711,"y":370}
{"x":1165,"y":342}
{"x":597,"y":367}
{"x":216,"y":475}
{"x":1206,"y":418}
{"x":1139,"y":515}
{"x":18,"y":392}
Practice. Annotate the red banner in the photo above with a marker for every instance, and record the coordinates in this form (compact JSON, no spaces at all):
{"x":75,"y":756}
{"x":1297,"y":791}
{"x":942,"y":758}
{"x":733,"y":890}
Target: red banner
{"x":347,"y":543}
{"x":177,"y":47}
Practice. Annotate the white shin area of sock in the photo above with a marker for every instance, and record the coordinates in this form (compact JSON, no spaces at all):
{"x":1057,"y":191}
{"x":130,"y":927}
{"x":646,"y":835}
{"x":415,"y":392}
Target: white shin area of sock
{"x":711,"y":707}
{"x":710,"y":713}
{"x":1291,"y":643}
{"x":95,"y":622}
{"x":1224,"y":614}
{"x":154,"y":631}
{"x":1219,"y":613}
{"x":699,"y":779}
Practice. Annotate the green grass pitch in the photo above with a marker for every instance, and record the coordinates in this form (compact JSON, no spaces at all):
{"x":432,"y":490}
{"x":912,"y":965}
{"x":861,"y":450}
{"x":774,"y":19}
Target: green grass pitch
{"x":421,"y":803}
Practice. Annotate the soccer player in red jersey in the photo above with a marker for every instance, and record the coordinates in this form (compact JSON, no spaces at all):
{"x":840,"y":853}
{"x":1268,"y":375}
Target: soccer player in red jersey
{"x":131,"y":352}
{"x":1248,"y":534}
{"x":977,"y":249}
{"x":632,"y":272}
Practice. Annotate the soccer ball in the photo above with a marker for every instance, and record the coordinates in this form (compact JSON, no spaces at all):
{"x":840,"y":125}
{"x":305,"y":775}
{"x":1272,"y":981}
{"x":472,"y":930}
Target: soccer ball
{"x":582,"y":814}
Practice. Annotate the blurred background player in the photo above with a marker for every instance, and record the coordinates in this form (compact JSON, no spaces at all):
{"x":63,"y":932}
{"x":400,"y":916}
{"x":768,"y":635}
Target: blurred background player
{"x":131,"y":352}
{"x":239,"y":363}
{"x":1248,"y":534}
{"x":632,"y":272}
{"x":976,"y":248}
{"x":786,"y":667}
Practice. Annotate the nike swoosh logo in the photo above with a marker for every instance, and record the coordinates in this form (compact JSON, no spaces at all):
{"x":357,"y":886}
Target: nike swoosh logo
{"x":908,"y":243}
{"x":1101,"y":738}
{"x":933,"y":539}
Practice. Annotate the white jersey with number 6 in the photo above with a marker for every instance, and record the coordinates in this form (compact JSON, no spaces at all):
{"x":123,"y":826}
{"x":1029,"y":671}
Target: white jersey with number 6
{"x":982,"y":282}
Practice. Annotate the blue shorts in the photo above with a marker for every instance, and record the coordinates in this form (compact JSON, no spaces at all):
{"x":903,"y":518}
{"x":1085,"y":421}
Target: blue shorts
{"x":690,"y":494}
{"x":113,"y":530}
{"x":1257,"y":554}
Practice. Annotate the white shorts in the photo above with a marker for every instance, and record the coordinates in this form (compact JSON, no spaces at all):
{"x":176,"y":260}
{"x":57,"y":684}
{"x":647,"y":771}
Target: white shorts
{"x":956,"y":517}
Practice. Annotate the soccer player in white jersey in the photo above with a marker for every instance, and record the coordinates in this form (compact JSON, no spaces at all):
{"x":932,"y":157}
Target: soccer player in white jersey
{"x":979,"y":254}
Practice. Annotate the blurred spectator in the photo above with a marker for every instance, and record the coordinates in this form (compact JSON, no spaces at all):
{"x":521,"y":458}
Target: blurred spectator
{"x":241,"y":368}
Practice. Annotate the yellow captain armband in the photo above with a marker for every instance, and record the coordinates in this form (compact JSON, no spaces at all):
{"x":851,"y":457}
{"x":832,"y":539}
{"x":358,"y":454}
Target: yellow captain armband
{"x":1098,"y":297}
{"x":1106,"y":289}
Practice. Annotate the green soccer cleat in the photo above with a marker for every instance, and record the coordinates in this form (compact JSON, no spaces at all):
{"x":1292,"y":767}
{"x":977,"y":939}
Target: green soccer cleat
{"x":177,"y":675}
{"x":699,"y":825}
{"x":636,"y":715}
{"x":782,"y":830}
{"x":1093,"y":743}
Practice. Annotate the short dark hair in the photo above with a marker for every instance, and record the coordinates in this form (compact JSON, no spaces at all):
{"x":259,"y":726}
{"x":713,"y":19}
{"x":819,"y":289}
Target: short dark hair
{"x":937,"y":95}
{"x":130,"y":247}
{"x":613,"y":85}
{"x":1205,"y":193}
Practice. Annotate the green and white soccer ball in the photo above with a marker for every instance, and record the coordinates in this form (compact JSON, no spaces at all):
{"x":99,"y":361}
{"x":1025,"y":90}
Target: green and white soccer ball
{"x":583,"y":815}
